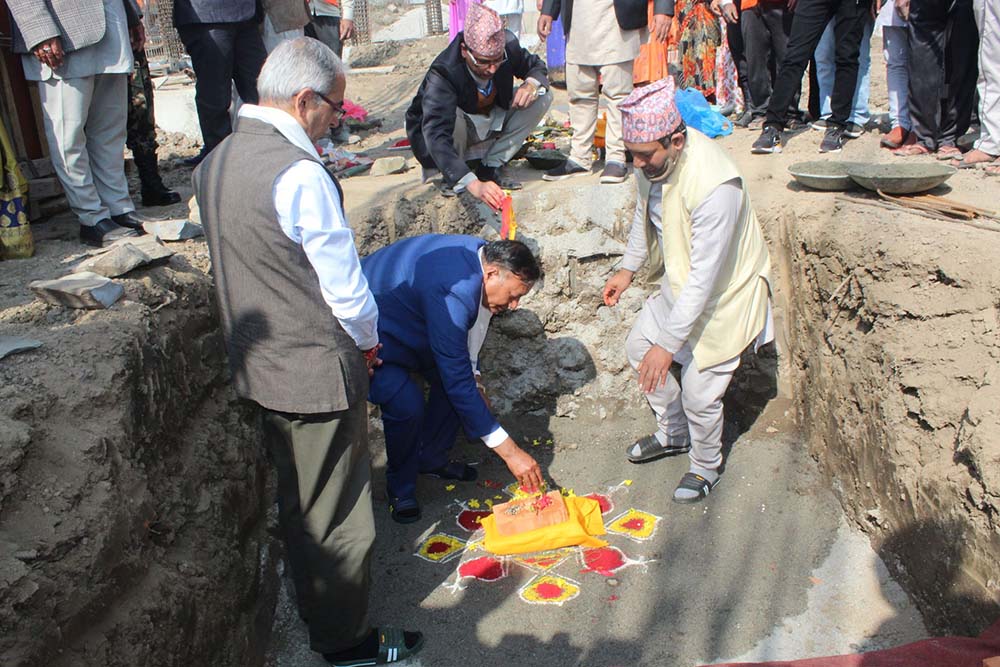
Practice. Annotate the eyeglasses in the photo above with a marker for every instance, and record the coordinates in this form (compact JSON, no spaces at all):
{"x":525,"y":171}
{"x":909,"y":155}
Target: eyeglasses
{"x":338,"y":109}
{"x":483,"y":62}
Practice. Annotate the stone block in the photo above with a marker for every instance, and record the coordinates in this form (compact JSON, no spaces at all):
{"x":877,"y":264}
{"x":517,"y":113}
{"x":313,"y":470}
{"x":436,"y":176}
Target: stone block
{"x":79,"y":290}
{"x":389,"y":165}
{"x":126,"y":255}
{"x":15,"y":344}
{"x":117,"y":261}
{"x":174,"y":230}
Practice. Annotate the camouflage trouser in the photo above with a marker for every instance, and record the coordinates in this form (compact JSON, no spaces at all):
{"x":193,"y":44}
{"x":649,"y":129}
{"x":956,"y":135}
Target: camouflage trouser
{"x":141,"y":137}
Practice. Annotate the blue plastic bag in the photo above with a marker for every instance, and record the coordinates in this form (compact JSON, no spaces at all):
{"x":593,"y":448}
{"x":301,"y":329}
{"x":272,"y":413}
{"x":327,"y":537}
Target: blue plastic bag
{"x":697,"y":113}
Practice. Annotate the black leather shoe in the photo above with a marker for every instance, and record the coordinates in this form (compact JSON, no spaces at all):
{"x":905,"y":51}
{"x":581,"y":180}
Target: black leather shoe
{"x":129,"y":220}
{"x":159,"y":196}
{"x":104,"y":233}
{"x":194,"y":160}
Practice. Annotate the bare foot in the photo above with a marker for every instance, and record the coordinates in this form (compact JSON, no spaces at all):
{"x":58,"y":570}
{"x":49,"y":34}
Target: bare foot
{"x":972,"y":158}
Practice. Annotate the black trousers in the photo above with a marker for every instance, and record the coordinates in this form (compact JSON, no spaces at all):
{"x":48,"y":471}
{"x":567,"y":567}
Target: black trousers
{"x":327,"y":30}
{"x":734,"y":37}
{"x":944,"y":46}
{"x":808,"y":22}
{"x":766,"y":28}
{"x":222,"y":54}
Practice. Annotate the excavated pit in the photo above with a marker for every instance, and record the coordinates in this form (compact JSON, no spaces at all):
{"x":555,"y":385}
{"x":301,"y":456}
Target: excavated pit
{"x":134,"y":498}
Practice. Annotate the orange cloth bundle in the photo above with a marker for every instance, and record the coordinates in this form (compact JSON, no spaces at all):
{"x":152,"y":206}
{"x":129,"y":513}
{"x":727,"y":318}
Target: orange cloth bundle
{"x":581,"y":525}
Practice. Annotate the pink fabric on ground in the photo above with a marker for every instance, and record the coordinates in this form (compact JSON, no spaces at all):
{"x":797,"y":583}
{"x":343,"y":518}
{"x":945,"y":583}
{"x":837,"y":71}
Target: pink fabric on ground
{"x":935,"y":652}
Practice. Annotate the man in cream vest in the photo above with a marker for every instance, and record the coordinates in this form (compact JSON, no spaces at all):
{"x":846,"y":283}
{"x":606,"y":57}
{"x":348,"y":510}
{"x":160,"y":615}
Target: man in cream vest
{"x":696,"y":226}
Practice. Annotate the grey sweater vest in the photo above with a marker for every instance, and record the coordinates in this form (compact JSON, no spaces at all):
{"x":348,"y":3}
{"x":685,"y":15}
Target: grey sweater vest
{"x":286,"y":350}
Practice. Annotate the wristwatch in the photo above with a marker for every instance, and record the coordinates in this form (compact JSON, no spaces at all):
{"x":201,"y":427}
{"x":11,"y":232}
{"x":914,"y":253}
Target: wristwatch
{"x":541,"y":90}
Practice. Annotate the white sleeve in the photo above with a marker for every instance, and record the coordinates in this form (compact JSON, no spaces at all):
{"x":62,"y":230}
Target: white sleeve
{"x":713,"y":225}
{"x":347,"y":10}
{"x":496,"y":438}
{"x":309,"y":212}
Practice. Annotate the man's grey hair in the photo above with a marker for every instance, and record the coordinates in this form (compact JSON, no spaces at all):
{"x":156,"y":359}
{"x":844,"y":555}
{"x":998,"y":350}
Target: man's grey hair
{"x":298,"y":64}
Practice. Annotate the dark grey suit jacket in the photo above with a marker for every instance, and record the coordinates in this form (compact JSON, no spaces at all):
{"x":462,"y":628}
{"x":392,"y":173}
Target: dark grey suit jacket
{"x":78,"y":23}
{"x":631,"y":14}
{"x":187,"y":12}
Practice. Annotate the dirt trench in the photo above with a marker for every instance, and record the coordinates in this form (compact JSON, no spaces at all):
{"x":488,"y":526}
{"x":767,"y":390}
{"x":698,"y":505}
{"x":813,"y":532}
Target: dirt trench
{"x":134,"y":497}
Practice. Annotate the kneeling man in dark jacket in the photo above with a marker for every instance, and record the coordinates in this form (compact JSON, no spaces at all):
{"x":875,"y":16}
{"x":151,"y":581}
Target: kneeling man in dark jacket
{"x":468,"y":109}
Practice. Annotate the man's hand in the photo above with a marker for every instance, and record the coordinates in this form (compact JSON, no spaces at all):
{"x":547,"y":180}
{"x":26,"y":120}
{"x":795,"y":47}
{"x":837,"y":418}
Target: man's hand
{"x":544,"y":27}
{"x":137,"y":36}
{"x":661,"y":27}
{"x":524,"y":468}
{"x":487,"y":192}
{"x":791,"y":5}
{"x":654,"y":368}
{"x":371,"y":359}
{"x":524,"y":96}
{"x":346,"y":29}
{"x":616,"y":286}
{"x":730,"y":14}
{"x":50,"y":52}
{"x":903,"y":9}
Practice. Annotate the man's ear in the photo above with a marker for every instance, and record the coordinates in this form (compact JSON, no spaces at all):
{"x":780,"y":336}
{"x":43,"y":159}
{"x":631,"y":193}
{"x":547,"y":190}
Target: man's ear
{"x":490,"y":271}
{"x":678,"y":140}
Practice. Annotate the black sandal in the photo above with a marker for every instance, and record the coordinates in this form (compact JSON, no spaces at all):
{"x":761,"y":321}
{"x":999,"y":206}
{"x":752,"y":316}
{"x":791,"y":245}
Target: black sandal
{"x":695,"y":482}
{"x":391,"y":648}
{"x":650,"y":449}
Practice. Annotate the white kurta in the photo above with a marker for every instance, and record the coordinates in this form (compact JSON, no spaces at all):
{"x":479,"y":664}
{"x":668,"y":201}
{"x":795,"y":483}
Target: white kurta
{"x":595,"y":38}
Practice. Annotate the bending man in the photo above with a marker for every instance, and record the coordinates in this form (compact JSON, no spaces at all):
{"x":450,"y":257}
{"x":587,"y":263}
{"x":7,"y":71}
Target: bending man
{"x":695,"y":225}
{"x":436,"y":295}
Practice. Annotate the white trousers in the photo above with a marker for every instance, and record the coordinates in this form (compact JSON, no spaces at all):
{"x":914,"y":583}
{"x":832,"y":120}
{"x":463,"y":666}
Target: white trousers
{"x":584,"y":104}
{"x":692,"y":408}
{"x":988,"y":21}
{"x":85,"y":123}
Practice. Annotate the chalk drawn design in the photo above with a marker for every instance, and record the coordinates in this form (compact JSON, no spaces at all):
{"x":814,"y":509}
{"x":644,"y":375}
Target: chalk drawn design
{"x":635,"y":524}
{"x":549,"y":589}
{"x":440,"y":547}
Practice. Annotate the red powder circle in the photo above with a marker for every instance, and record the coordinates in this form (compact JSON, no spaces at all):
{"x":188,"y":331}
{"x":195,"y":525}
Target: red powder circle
{"x":470,"y":519}
{"x":484,"y":569}
{"x":603,"y":560}
{"x":634,"y":524}
{"x":438,"y":547}
{"x":548,"y":591}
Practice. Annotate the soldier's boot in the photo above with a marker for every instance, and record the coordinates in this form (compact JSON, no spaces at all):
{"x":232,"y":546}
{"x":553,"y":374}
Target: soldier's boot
{"x":154,"y":192}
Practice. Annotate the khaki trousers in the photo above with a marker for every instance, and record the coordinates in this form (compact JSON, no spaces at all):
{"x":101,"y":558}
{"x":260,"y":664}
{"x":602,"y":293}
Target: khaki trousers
{"x":584,"y":101}
{"x":689,"y":409}
{"x":325,"y":514}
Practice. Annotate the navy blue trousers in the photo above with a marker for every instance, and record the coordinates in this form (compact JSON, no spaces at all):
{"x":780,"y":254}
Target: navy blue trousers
{"x":419,"y":431}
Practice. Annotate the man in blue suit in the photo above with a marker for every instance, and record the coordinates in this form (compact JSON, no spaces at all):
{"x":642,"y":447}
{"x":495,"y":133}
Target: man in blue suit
{"x":436,"y":295}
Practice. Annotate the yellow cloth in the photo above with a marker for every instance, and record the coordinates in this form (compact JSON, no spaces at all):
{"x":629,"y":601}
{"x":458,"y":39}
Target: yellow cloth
{"x":737,"y":308}
{"x":579,"y":530}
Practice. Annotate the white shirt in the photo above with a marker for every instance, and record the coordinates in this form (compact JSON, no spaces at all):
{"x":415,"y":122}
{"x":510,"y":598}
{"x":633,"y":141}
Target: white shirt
{"x":504,"y":7}
{"x":111,"y":55}
{"x":713,"y":225}
{"x":477,"y":335}
{"x":310,"y":214}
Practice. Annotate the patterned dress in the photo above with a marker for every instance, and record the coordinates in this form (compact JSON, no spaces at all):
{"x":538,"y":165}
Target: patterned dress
{"x":697,"y":39}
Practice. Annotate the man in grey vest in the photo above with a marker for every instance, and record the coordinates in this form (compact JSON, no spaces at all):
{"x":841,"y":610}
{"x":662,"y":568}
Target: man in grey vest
{"x":300,"y":327}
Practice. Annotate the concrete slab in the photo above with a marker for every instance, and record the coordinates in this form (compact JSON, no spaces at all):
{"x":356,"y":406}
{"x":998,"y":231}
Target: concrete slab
{"x":766,"y":567}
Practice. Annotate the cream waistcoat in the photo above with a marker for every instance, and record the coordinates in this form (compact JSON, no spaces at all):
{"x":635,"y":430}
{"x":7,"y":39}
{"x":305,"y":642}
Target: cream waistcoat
{"x":737,"y":308}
